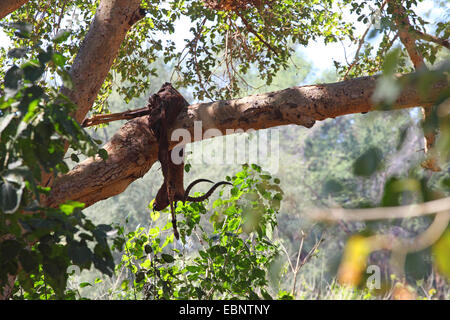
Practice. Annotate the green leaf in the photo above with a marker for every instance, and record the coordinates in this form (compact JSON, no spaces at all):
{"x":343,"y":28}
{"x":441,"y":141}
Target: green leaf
{"x":154,"y":215}
{"x":32,"y":71}
{"x":332,"y":186}
{"x":148,"y":249}
{"x":394,"y":189}
{"x":103,"y":154}
{"x":97,"y":141}
{"x":85,"y":284}
{"x":45,"y":56}
{"x":74,"y":157}
{"x":140,"y":276}
{"x":124,"y":284}
{"x":13,"y":76}
{"x":278,"y":197}
{"x":79,"y":254}
{"x":167,"y":258}
{"x":256,"y":167}
{"x":441,"y":252}
{"x":70,"y":206}
{"x":61,"y":36}
{"x":266,"y":295}
{"x":59,"y":59}
{"x":17,"y":52}
{"x":11,"y":188}
{"x":193,"y":269}
{"x":28,"y":260}
{"x":445,"y":183}
{"x":368,"y":163}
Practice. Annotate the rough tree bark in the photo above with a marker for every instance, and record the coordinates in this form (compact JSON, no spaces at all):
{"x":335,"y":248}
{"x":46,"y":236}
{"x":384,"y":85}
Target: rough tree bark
{"x":112,"y":20}
{"x":8,"y":6}
{"x":133,"y":150}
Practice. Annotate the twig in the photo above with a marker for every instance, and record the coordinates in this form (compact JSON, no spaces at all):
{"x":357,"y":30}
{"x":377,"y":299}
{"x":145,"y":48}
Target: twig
{"x":196,"y":62}
{"x":188,"y":45}
{"x":61,"y":16}
{"x":250,"y":28}
{"x":361,"y":42}
{"x":105,"y":118}
{"x":413,"y":210}
{"x":401,"y":247}
{"x":300,"y":248}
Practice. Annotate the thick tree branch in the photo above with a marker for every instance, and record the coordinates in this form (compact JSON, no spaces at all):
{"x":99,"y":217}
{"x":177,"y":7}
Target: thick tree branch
{"x":93,"y":62}
{"x":133,"y":150}
{"x":112,"y":20}
{"x":406,"y":37}
{"x":8,"y":6}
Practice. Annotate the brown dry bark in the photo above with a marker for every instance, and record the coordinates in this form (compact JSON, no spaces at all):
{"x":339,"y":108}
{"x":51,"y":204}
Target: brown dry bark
{"x":406,"y":36}
{"x":8,"y":6}
{"x":113,"y":19}
{"x":133,"y":150}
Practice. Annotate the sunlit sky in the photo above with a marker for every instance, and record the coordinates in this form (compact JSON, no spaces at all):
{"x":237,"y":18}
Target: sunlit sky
{"x":317,"y":52}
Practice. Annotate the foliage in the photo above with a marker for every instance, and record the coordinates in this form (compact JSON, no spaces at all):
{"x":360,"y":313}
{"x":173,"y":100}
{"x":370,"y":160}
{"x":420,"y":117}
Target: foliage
{"x":380,"y":22}
{"x":414,"y":187}
{"x":236,"y":252}
{"x":35,"y":125}
{"x":265,"y":33}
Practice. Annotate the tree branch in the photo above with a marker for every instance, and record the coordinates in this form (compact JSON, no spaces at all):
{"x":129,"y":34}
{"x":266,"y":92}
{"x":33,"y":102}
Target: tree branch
{"x":407,"y":36}
{"x":428,"y":37}
{"x":133,"y":150}
{"x":112,"y":20}
{"x":400,"y":212}
{"x":8,"y":6}
{"x":360,"y":43}
{"x":105,"y":118}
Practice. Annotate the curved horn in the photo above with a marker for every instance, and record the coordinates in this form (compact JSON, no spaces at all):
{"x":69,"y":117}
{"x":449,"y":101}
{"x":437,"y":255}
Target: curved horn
{"x":207,"y":194}
{"x":193,"y":183}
